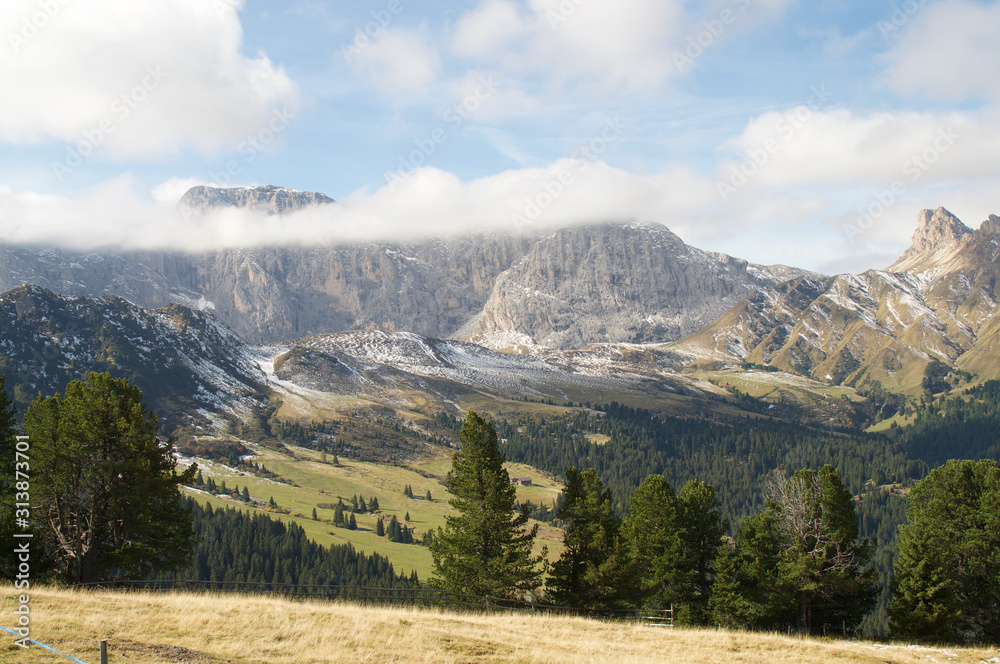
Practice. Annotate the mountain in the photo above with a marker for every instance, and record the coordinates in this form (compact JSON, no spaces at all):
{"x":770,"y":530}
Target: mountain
{"x":267,"y":198}
{"x":586,"y":284}
{"x":192,"y":369}
{"x":938,"y":302}
{"x":184,"y":360}
{"x":632,"y":283}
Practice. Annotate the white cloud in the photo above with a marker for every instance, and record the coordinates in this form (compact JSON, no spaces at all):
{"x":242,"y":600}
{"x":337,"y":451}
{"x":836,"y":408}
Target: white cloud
{"x":797,"y":226}
{"x":139,"y":79}
{"x":488,"y":29}
{"x":119,"y":214}
{"x":802,"y":146}
{"x":169,"y":192}
{"x":949,"y":50}
{"x":399,"y":61}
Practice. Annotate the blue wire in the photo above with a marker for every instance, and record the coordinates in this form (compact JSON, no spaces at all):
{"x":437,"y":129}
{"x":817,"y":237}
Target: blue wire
{"x":45,"y":646}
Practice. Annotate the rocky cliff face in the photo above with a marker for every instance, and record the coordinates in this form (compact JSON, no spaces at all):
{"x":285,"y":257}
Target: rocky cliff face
{"x":269,"y":294}
{"x":632,"y":283}
{"x":616,"y":283}
{"x":938,"y":237}
{"x":268,"y":198}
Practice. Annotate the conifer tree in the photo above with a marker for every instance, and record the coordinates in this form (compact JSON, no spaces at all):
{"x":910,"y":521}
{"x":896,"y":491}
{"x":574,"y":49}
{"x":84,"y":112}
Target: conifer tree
{"x":379,"y":528}
{"x":393,"y":530}
{"x":655,"y":542}
{"x":246,"y":494}
{"x":362,"y":508}
{"x":800,"y":562}
{"x":354,"y":504}
{"x":485,"y":548}
{"x":701,"y":528}
{"x":338,"y":515}
{"x":373,"y":504}
{"x":271,"y":503}
{"x":406,"y":517}
{"x":428,"y":496}
{"x":947,"y":587}
{"x":110,"y":502}
{"x":199,"y":480}
{"x":822,"y":563}
{"x":8,"y":482}
{"x":593,"y":571}
{"x":352,"y":524}
{"x":315,"y":516}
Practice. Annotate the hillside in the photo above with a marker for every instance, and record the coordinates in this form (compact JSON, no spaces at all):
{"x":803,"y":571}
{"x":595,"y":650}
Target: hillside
{"x":938,"y":302}
{"x":150,"y":628}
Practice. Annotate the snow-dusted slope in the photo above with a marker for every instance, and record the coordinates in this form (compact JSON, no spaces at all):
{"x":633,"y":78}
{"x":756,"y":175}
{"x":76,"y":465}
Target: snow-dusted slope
{"x":938,"y":302}
{"x":182,"y":359}
{"x":372,"y":362}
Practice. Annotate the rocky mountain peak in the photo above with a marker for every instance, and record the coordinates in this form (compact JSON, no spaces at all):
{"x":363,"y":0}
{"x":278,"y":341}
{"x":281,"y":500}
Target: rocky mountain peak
{"x":264,"y":198}
{"x":939,"y":233}
{"x":989,"y":227}
{"x":937,"y":229}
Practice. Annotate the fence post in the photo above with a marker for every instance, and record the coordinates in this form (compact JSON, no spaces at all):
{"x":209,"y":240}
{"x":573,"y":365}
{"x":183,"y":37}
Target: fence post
{"x":104,"y":651}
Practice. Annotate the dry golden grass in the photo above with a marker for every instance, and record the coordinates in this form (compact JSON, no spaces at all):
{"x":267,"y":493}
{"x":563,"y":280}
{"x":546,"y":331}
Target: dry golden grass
{"x":146,"y":628}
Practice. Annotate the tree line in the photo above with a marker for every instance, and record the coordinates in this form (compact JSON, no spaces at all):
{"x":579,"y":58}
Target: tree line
{"x":234,"y":546}
{"x":799,"y":561}
{"x":110,"y":508}
{"x":107,"y":504}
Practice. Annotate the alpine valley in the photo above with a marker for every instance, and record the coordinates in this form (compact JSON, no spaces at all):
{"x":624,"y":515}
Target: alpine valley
{"x":582,"y":343}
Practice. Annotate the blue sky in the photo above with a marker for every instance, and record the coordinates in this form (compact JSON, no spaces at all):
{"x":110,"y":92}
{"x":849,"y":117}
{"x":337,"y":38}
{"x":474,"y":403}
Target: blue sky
{"x":779,"y":131}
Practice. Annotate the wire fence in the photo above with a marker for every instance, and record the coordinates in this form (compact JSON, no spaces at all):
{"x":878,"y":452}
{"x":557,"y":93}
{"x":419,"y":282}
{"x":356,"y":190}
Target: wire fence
{"x":424,"y":597}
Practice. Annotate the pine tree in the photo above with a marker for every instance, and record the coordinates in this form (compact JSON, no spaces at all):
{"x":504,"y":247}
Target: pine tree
{"x":352,"y":524}
{"x":8,"y":482}
{"x":822,"y":562}
{"x":315,"y":516}
{"x":428,"y":496}
{"x":484,"y":549}
{"x":110,"y":501}
{"x":338,"y":515}
{"x":362,"y":508}
{"x":373,"y":504}
{"x":593,"y":571}
{"x":393,"y":531}
{"x":223,"y":488}
{"x":271,"y":503}
{"x":655,"y":543}
{"x":379,"y":528}
{"x":406,"y":517}
{"x":946,"y":585}
{"x":354,"y":504}
{"x":702,"y":528}
{"x":199,"y":480}
{"x":745,"y":591}
{"x":246,"y":494}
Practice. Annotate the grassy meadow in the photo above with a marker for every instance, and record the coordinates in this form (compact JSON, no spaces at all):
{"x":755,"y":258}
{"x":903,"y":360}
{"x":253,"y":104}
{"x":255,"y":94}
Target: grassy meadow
{"x":320,"y":483}
{"x":154,"y":628}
